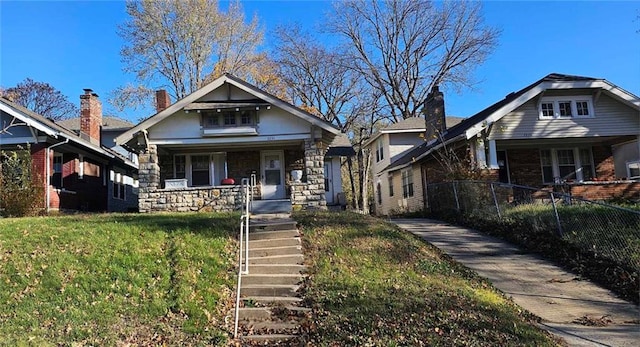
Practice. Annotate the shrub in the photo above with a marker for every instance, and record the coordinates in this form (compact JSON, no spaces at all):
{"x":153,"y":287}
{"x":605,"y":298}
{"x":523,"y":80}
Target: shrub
{"x":21,"y":193}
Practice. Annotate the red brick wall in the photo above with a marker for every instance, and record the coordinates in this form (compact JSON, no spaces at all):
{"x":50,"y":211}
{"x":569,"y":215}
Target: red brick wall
{"x":524,"y":166}
{"x":38,"y":167}
{"x":603,"y":160}
{"x":605,"y":191}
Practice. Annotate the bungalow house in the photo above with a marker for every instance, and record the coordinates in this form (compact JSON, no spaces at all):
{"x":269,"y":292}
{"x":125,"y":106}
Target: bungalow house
{"x":77,"y":172}
{"x":194,"y":153}
{"x":577,"y":132}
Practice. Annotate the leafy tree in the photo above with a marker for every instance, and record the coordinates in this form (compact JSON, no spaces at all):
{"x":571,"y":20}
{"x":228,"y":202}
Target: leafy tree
{"x":41,"y":98}
{"x":404,"y":48}
{"x":186,"y":43}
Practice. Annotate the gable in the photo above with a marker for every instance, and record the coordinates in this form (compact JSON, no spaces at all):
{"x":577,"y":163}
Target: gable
{"x":609,"y":118}
{"x":227,"y":93}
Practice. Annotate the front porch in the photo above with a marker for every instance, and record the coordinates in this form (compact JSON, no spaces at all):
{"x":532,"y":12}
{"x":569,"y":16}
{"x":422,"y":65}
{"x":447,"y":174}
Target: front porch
{"x":181,"y":178}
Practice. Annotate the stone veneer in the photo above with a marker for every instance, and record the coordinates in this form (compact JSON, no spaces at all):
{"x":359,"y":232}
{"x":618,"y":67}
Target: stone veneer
{"x":152,"y":198}
{"x":310,"y":195}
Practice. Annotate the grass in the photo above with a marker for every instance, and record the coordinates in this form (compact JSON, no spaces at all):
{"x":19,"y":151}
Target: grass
{"x":116,"y":279}
{"x":371,"y":284}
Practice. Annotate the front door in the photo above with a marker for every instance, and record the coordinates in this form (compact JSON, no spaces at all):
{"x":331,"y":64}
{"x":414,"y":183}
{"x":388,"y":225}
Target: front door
{"x":503,"y":167}
{"x":328,"y":182}
{"x":272,"y":175}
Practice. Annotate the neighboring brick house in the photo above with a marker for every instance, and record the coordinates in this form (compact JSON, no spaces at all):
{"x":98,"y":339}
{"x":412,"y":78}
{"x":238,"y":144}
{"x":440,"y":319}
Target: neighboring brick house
{"x":577,"y":132}
{"x":77,"y":172}
{"x":194,"y":153}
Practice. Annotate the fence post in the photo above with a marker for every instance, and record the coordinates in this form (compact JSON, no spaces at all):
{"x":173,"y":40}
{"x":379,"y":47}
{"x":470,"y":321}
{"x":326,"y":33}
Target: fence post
{"x":495,"y":201}
{"x":455,"y":194}
{"x":555,"y":211}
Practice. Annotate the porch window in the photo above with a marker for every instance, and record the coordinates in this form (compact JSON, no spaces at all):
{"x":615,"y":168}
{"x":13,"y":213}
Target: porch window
{"x":407,"y":183}
{"x":56,"y":179}
{"x":247,"y":118}
{"x":200,"y":170}
{"x":229,"y":118}
{"x":180,"y":164}
{"x":119,"y":187}
{"x":559,"y":165}
{"x":633,"y":169}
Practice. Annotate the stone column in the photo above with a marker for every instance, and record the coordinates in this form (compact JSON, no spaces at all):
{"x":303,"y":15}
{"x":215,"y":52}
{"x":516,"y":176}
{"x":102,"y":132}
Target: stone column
{"x":149,"y":177}
{"x":314,"y":167}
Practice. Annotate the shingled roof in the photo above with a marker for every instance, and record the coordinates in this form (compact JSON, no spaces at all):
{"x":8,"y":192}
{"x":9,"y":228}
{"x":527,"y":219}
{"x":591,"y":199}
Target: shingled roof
{"x":108,"y":123}
{"x":459,"y":130}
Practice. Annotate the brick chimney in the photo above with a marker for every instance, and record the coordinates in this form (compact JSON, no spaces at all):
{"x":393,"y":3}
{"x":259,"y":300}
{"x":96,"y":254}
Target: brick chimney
{"x":434,"y":114}
{"x":162,"y":100}
{"x":90,"y":116}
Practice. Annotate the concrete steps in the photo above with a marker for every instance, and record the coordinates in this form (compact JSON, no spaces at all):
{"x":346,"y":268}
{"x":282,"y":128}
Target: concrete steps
{"x":271,"y":312}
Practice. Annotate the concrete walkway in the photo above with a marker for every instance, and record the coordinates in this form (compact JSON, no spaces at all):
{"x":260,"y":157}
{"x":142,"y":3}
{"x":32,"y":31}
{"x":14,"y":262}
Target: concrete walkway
{"x":544,"y":289}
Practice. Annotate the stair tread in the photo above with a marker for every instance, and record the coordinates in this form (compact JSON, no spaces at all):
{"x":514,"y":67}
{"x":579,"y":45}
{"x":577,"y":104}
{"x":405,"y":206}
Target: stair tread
{"x":274,"y":247}
{"x":276,"y":256}
{"x":290,"y":308}
{"x":273,"y":275}
{"x":267,"y":337}
{"x":270,"y":286}
{"x":272,"y":298}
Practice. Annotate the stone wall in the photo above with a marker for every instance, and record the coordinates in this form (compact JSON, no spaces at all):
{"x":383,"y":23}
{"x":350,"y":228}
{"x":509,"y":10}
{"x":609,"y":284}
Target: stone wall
{"x":310,"y":195}
{"x":196,"y":199}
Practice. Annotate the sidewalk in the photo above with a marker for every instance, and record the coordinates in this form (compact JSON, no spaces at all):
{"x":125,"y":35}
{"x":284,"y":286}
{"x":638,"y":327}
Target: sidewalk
{"x":537,"y":285}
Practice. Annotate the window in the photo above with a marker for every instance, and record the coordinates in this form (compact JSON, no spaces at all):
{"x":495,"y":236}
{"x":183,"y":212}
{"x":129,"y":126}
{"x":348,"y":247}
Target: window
{"x":229,"y":118}
{"x":563,"y":107}
{"x":379,"y":193}
{"x":559,"y":165}
{"x":56,"y":179}
{"x":379,"y":151}
{"x":633,"y":169}
{"x":119,"y":187}
{"x":247,"y":118}
{"x":407,"y":183}
{"x":179,"y":165}
{"x":210,"y":120}
{"x":547,"y":109}
{"x":80,"y":166}
{"x":200,"y":170}
{"x":390,"y":178}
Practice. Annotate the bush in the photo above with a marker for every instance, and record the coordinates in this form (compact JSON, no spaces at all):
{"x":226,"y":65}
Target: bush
{"x":21,"y":193}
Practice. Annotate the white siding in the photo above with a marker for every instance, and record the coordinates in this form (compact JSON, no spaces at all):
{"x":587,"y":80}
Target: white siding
{"x":272,"y":122}
{"x":227,"y":92}
{"x":400,"y":143}
{"x":376,"y":167}
{"x":625,"y":153}
{"x":397,"y":203}
{"x":612,"y":118}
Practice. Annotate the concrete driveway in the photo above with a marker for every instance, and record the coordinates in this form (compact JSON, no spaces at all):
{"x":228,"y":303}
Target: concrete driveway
{"x":558,"y":297}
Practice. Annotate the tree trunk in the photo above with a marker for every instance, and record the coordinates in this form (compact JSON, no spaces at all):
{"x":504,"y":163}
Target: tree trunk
{"x":354,"y":195}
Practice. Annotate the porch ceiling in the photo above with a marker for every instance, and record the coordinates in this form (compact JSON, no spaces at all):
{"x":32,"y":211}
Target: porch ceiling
{"x":222,"y":147}
{"x":563,"y":142}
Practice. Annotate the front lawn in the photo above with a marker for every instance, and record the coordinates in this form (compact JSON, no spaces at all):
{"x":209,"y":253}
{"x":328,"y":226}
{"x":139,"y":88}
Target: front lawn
{"x":371,"y":284}
{"x":116,"y":279}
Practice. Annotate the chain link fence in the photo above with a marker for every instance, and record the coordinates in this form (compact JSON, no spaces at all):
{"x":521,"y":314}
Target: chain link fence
{"x":604,"y":230}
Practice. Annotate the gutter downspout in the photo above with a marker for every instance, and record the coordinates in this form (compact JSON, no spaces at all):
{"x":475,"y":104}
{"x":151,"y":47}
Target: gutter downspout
{"x":48,"y":170}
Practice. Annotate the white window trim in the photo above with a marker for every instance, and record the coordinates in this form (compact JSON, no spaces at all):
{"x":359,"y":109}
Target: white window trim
{"x":577,"y":163}
{"x":628,"y":167}
{"x":188,"y":167}
{"x":555,"y":100}
{"x":58,"y":155}
{"x":407,"y":174}
{"x":80,"y":166}
{"x":379,"y":150}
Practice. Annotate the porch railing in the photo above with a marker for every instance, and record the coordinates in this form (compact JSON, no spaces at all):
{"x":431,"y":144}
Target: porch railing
{"x":247,"y":185}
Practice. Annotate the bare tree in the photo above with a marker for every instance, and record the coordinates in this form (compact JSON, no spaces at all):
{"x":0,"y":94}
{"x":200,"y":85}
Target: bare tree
{"x":321,"y":79}
{"x":41,"y":98}
{"x":404,"y":48}
{"x":186,"y":43}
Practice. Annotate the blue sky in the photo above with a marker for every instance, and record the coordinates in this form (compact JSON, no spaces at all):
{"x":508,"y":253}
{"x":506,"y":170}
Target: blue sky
{"x":73,"y":44}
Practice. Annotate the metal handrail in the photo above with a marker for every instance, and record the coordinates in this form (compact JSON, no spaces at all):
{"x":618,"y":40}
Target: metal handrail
{"x":247,"y":190}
